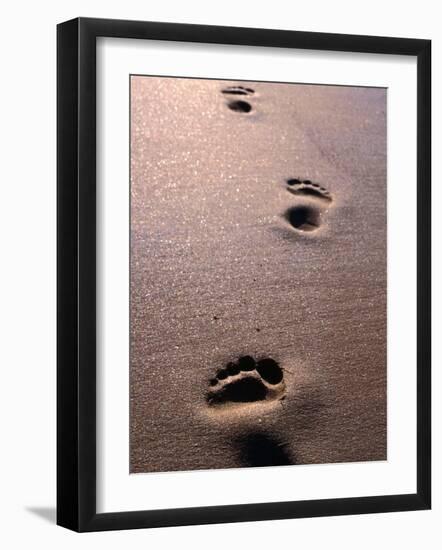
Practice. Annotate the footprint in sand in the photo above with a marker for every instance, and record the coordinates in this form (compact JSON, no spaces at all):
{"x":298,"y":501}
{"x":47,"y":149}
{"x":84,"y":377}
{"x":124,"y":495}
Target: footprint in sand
{"x":238,"y":105}
{"x":243,"y":382}
{"x":307,"y":214}
{"x":246,"y":381}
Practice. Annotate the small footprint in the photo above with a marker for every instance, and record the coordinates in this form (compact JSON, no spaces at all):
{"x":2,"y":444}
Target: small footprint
{"x":246,"y":381}
{"x":307,"y":216}
{"x":238,"y":105}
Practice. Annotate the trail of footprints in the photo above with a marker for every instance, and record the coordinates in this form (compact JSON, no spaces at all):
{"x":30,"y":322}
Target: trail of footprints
{"x":246,"y":381}
{"x":305,"y":216}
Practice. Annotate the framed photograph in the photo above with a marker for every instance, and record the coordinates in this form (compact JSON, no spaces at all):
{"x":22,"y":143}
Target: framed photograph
{"x":243,"y":274}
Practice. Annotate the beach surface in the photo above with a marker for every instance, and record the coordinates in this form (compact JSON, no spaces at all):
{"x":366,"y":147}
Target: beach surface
{"x":258,"y":231}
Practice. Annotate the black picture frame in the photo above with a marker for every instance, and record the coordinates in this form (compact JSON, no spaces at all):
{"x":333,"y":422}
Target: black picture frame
{"x":76,"y":274}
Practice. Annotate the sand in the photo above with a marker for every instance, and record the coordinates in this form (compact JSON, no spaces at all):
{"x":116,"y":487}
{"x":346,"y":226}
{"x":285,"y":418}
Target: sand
{"x":230,"y":259}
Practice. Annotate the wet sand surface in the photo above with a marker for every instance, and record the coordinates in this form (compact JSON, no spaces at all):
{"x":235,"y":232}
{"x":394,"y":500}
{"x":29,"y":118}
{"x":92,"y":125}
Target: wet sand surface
{"x":232,"y":256}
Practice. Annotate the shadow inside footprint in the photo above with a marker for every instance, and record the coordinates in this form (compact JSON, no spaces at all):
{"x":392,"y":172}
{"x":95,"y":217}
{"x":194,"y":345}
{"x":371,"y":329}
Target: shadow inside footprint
{"x":259,"y":449}
{"x":270,"y":371}
{"x":304,"y":218}
{"x":247,"y":380}
{"x":239,"y":106}
{"x":244,"y":390}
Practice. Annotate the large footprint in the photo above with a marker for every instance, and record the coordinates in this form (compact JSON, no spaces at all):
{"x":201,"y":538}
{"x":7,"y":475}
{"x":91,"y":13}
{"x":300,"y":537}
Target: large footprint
{"x":307,"y":214}
{"x":247,"y":381}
